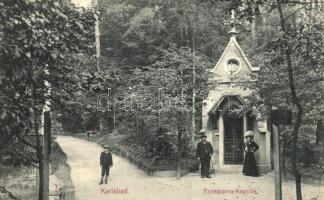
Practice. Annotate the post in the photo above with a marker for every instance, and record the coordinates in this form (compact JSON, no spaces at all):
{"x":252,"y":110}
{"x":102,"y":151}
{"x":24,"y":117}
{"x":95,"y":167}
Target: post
{"x":284,"y":117}
{"x":277,"y":165}
{"x":46,"y":131}
{"x":47,"y":143}
{"x":245,"y":125}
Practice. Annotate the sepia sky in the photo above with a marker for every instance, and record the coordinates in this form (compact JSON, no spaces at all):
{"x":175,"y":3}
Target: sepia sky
{"x":83,"y":3}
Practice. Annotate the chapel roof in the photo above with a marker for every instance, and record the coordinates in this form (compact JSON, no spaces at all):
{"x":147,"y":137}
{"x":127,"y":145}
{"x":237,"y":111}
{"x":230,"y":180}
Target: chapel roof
{"x":233,"y":44}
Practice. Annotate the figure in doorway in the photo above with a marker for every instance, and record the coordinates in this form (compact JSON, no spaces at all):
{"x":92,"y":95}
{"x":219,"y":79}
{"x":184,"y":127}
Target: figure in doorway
{"x":204,"y":153}
{"x":105,"y":162}
{"x":249,"y":167}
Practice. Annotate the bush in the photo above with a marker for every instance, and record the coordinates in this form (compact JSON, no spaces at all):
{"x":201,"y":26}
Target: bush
{"x":72,"y":123}
{"x":161,"y":147}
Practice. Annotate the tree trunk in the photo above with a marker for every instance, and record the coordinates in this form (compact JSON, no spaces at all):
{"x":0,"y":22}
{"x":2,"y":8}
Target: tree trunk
{"x":114,"y":118}
{"x":294,"y":155}
{"x":253,"y":30}
{"x":179,"y":153}
{"x":318,"y":131}
{"x":101,"y":123}
{"x":142,"y":130}
{"x":39,"y":154}
{"x":179,"y":143}
{"x":193,"y":132}
{"x":296,"y":103}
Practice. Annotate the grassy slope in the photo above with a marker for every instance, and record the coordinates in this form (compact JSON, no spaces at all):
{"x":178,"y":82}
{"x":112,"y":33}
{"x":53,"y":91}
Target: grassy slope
{"x":60,"y":168}
{"x":20,"y":181}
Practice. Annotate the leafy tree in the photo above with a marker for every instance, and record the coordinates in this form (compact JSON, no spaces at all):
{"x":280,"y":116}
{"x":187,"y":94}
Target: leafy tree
{"x":171,"y":79}
{"x":290,"y":74}
{"x":135,"y":33}
{"x":41,"y":43}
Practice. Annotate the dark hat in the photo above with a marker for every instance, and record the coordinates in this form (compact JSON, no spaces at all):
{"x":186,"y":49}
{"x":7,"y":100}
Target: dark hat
{"x":106,"y":147}
{"x":203,"y":136}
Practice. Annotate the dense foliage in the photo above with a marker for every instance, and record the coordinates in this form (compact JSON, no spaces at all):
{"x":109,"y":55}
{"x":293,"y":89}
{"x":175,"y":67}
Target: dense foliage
{"x":291,"y":77}
{"x":154,"y":56}
{"x":41,"y":42}
{"x":38,"y":37}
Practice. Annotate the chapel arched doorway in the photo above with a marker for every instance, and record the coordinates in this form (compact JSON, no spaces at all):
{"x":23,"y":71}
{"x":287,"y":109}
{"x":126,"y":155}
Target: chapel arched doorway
{"x":233,"y":138}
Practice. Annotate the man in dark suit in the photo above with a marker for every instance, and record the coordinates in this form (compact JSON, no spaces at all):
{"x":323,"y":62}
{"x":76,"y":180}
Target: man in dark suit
{"x":204,"y":153}
{"x":105,"y":162}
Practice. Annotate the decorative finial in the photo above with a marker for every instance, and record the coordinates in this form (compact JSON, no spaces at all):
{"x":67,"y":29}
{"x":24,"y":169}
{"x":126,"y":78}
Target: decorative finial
{"x":232,"y":32}
{"x":232,"y":18}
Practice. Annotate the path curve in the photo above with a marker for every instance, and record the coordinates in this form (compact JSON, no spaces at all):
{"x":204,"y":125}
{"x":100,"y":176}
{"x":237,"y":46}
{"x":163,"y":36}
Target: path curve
{"x":83,"y":158}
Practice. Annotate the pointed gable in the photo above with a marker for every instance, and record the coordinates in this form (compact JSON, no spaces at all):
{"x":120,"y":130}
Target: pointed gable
{"x":232,"y":63}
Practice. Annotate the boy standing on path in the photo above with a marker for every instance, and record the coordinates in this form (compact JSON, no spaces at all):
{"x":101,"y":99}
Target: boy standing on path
{"x":105,"y":162}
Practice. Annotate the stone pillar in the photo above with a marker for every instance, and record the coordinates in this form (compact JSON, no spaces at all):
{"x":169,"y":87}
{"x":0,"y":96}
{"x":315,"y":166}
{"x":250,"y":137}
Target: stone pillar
{"x":205,"y":117}
{"x":216,"y":150}
{"x":221,"y":141}
{"x":244,"y":125}
{"x":268,"y":150}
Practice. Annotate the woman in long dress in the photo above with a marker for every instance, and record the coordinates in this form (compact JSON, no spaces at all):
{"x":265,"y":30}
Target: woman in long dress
{"x":249,"y":167}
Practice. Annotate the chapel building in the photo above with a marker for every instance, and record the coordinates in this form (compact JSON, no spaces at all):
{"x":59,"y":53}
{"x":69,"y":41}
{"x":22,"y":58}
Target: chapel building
{"x":224,"y":127}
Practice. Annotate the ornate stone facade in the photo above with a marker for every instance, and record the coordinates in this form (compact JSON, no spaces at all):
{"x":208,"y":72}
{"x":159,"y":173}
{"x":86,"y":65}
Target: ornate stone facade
{"x":225,"y":128}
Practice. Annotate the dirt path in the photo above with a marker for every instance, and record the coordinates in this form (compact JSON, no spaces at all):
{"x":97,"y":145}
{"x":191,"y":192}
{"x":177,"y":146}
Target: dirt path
{"x":83,"y":158}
